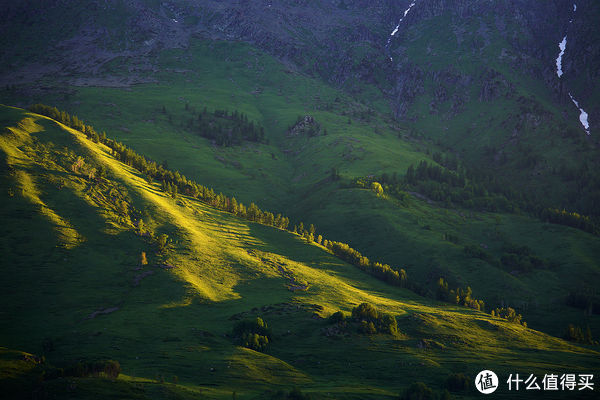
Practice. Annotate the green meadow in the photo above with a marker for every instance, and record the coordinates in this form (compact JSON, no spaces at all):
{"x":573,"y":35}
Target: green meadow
{"x":75,"y":289}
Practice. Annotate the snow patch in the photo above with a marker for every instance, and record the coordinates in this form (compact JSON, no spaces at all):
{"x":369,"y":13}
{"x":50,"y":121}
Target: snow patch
{"x":402,"y":19}
{"x":583,"y":116}
{"x":411,"y":5}
{"x":562,"y":46}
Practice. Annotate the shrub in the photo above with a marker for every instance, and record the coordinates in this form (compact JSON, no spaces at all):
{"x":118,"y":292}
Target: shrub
{"x":367,"y":328}
{"x":365,"y":311}
{"x":389,"y":324}
{"x":108,"y":368}
{"x":162,"y":242}
{"x":337,"y":318}
{"x":418,"y":391}
{"x":377,"y":188}
{"x":294,"y":394}
{"x":457,"y":383}
{"x":509,"y":314}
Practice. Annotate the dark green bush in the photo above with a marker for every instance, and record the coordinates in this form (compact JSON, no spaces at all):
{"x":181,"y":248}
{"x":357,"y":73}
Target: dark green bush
{"x":365,"y":311}
{"x":457,"y":383}
{"x":337,"y":318}
{"x":418,"y":391}
{"x":108,"y":368}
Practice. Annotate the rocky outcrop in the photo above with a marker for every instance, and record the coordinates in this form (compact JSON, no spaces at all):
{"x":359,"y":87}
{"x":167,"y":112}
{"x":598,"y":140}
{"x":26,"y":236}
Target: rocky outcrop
{"x":306,"y":125}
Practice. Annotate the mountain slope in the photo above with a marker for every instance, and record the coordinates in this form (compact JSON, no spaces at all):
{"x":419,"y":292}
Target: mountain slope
{"x":292,"y":174}
{"x":76,"y":289}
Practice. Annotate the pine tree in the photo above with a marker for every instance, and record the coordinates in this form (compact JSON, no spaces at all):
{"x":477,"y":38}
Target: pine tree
{"x":233,"y":205}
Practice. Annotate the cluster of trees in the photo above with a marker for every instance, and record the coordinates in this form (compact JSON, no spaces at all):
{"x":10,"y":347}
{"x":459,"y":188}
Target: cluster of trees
{"x":459,"y":296}
{"x":354,"y":257}
{"x":452,"y":238}
{"x":509,"y":314}
{"x":106,"y":193}
{"x":420,"y":391}
{"x":108,"y":368}
{"x":513,"y":257}
{"x":454,"y":185}
{"x":337,"y":317}
{"x":294,"y":394}
{"x":458,"y":382}
{"x":162,"y":242}
{"x":424,"y":171}
{"x":169,"y":188}
{"x":83,"y":369}
{"x":474,"y":251}
{"x":79,"y":166}
{"x":586,"y":180}
{"x":226,"y":128}
{"x":254,"y":334}
{"x":372,"y":321}
{"x":576,"y":334}
{"x":172,"y":182}
{"x":367,"y":319}
{"x":69,"y":120}
{"x":571,"y":219}
{"x":521,"y":258}
{"x":584,"y":301}
{"x":448,"y":187}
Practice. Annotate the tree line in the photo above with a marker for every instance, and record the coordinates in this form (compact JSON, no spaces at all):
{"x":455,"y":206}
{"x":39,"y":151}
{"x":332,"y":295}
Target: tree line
{"x":354,"y":257}
{"x":472,"y":191}
{"x":456,"y":188}
{"x":458,"y":296}
{"x":367,"y":320}
{"x":575,"y":333}
{"x":226,"y":128}
{"x":174,"y":183}
{"x":509,"y":314}
{"x":572,"y":219}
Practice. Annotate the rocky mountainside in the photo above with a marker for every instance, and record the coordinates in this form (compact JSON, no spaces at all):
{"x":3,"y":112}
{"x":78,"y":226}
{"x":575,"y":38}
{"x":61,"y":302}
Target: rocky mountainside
{"x":344,"y":41}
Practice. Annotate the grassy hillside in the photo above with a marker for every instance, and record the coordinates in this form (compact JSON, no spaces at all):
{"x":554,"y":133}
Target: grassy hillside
{"x":292,"y":173}
{"x":154,"y":119}
{"x":76,"y":289}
